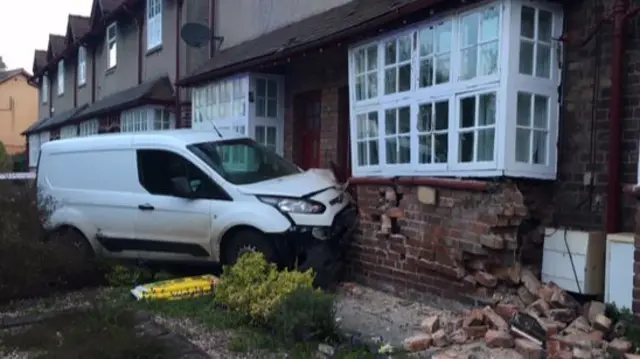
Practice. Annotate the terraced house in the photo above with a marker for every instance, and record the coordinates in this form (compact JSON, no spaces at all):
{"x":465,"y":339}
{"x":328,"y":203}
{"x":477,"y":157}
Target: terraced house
{"x":115,"y":71}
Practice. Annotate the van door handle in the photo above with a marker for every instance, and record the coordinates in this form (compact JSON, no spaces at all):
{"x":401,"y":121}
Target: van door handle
{"x":146,"y":207}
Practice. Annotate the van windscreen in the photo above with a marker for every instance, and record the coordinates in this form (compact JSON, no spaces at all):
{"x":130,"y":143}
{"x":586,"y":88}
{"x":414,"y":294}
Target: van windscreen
{"x":243,"y":161}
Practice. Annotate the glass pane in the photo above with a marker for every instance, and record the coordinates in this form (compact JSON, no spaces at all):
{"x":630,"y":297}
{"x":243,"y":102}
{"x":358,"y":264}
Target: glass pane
{"x":390,"y":52}
{"x":442,"y":115}
{"x":272,"y":108}
{"x":543,"y":61}
{"x":469,"y":30}
{"x":372,"y":125}
{"x":361,"y":126}
{"x":527,"y":21}
{"x":261,"y":88}
{"x":489,"y":58}
{"x":467,"y":112}
{"x":545,"y":21}
{"x":360,"y":88}
{"x":490,"y":24}
{"x":390,"y":122}
{"x":392,"y":150}
{"x":425,"y":38}
{"x":404,"y":78}
{"x":362,"y":153}
{"x":272,"y":89}
{"x":358,"y":61}
{"x":523,"y":117}
{"x":424,"y":149}
{"x":374,"y":157}
{"x":441,"y":148}
{"x":372,"y":85}
{"x":404,"y":152}
{"x":465,"y":147}
{"x":526,"y":57}
{"x":443,"y":68}
{"x":424,"y":117}
{"x":404,"y":120}
{"x":271,"y":136}
{"x":260,"y":135}
{"x":469,"y":63}
{"x":486,"y":139}
{"x":523,"y":139}
{"x":372,"y":58}
{"x":487,"y":110}
{"x":443,"y":37}
{"x":539,"y":155}
{"x":404,"y":44}
{"x":260,"y":107}
{"x":426,"y":72}
{"x":540,"y":112}
{"x":390,"y":81}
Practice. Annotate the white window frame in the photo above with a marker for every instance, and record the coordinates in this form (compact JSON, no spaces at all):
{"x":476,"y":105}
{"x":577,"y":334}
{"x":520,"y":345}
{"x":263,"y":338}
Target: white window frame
{"x":154,"y":23}
{"x":44,"y":89}
{"x":69,"y":131}
{"x":112,"y":45}
{"x":34,"y":149}
{"x":88,"y":128}
{"x":504,"y":81}
{"x":82,"y":65}
{"x":60,"y":79}
{"x":142,"y":119}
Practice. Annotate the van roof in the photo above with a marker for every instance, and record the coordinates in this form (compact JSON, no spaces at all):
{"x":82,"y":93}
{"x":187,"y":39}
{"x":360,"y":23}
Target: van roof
{"x":180,"y":137}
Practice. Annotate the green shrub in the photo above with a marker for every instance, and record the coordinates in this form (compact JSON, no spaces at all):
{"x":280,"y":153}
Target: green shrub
{"x":255,"y":287}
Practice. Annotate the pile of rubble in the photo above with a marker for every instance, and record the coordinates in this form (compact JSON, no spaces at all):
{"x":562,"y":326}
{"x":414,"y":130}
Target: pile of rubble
{"x":541,"y":320}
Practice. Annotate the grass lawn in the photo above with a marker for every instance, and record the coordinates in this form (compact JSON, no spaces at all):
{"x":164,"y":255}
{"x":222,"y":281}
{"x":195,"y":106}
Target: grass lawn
{"x":97,"y":333}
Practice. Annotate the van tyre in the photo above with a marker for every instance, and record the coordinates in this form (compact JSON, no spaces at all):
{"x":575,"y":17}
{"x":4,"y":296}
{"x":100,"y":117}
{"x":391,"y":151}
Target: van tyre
{"x":79,"y":243}
{"x":245,"y":241}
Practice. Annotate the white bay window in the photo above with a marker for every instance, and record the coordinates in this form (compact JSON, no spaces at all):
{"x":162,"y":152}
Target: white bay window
{"x":472,"y":94}
{"x":147,"y":118}
{"x":69,"y":131}
{"x":88,"y":128}
{"x":34,"y":150}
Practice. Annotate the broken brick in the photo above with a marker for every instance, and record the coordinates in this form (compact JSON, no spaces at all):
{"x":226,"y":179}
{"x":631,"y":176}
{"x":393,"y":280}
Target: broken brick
{"x":497,"y":338}
{"x":430,"y":324}
{"x":439,"y":338}
{"x":495,"y":320}
{"x":528,"y":349}
{"x":546,"y":292}
{"x":459,"y":336}
{"x":602,"y":323}
{"x":541,"y":307}
{"x":524,"y":295}
{"x":564,"y":315}
{"x":417,"y":343}
{"x":486,"y":279}
{"x":506,"y":311}
{"x":477,"y":264}
{"x":509,"y":275}
{"x":579,"y":353}
{"x":562,"y":299}
{"x":579,"y":325}
{"x":530,"y":281}
{"x":595,"y":308}
{"x":619,"y":346}
{"x":476,"y":331}
{"x":474,"y":318}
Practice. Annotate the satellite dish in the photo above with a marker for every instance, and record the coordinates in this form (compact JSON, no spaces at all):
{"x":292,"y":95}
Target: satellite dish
{"x":195,"y":34}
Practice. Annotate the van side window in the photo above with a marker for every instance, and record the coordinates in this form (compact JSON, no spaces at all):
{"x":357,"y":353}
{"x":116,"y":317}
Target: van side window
{"x":158,"y":168}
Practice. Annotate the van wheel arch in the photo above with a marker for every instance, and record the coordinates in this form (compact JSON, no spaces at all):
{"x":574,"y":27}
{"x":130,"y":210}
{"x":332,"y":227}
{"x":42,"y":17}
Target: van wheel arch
{"x":73,"y":233}
{"x":256,"y":236}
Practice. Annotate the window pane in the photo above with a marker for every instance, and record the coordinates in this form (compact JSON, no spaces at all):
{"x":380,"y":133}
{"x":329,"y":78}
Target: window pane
{"x":469,"y":30}
{"x":539,"y":147}
{"x":372,"y":125}
{"x":260,"y":107}
{"x":443,"y":37}
{"x":487,"y":110}
{"x":390,"y":52}
{"x":260,"y":135}
{"x":486,"y":139}
{"x":523,"y":139}
{"x":361,"y":126}
{"x":490,"y":24}
{"x":465,"y":147}
{"x":372,"y":58}
{"x":524,"y":109}
{"x":271,"y":136}
{"x":426,"y":44}
{"x":489,"y":58}
{"x":426,"y":72}
{"x":404,"y":153}
{"x":527,"y":22}
{"x":362,"y":153}
{"x":372,"y":85}
{"x":545,"y":21}
{"x":441,"y":148}
{"x":404,"y":120}
{"x":424,"y":149}
{"x":392,"y":150}
{"x":404,"y":78}
{"x":272,"y":108}
{"x":374,"y":157}
{"x":442,"y":115}
{"x":404,"y":53}
{"x":272,"y":90}
{"x":261,"y":87}
{"x":543,"y":61}
{"x":390,"y":122}
{"x":390,"y":81}
{"x":526,"y":57}
{"x":359,"y":60}
{"x":540,"y":112}
{"x":443,"y":68}
{"x":469,"y":63}
{"x":360,"y":88}
{"x":467,"y":112}
{"x":424,"y":117}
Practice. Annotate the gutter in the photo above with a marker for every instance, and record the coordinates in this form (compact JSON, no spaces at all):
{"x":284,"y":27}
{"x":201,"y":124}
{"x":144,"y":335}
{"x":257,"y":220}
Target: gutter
{"x":297,"y":49}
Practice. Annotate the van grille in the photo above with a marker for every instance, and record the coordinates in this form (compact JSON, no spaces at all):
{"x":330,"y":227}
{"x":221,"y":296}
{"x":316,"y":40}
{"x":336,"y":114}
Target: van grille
{"x":345,"y":220}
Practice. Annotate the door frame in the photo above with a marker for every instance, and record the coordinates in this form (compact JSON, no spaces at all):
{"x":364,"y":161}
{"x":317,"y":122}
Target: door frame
{"x":300,"y":100}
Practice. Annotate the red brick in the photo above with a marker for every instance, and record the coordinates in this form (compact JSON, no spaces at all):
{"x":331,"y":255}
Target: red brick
{"x":528,"y":349}
{"x":619,"y":346}
{"x":417,"y":342}
{"x":486,"y":279}
{"x":506,"y":311}
{"x":497,"y":338}
{"x":475,"y":331}
{"x":495,"y":320}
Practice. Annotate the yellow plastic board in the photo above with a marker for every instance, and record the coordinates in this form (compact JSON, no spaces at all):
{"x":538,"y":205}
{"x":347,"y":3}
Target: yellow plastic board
{"x":179,"y":288}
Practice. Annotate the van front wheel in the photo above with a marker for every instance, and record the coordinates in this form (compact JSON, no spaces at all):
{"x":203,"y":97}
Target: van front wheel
{"x":245,"y":241}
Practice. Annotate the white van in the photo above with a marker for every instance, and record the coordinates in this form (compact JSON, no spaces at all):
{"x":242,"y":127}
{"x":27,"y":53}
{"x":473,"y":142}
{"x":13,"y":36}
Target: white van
{"x":189,"y":196}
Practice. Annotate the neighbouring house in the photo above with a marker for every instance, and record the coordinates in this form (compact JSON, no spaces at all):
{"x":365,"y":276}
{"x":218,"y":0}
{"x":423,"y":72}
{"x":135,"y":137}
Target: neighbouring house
{"x":18,"y":108}
{"x":115,"y":71}
{"x":484,"y":122}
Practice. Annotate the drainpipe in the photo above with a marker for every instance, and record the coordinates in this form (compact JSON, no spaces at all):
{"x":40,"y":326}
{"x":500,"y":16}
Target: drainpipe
{"x":615,"y":118}
{"x":75,"y":82}
{"x":212,"y":22}
{"x":179,"y":123}
{"x":93,"y":74}
{"x":51,"y":108}
{"x":139,"y":24}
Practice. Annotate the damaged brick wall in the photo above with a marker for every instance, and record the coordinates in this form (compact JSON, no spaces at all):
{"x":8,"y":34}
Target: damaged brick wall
{"x":450,"y":242}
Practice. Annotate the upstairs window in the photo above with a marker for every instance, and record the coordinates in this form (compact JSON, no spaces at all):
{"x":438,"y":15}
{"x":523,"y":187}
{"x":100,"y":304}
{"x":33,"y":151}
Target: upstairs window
{"x":154,"y":24}
{"x":112,"y":48}
{"x":535,"y":42}
{"x":44,"y":89}
{"x":82,"y":65}
{"x":60,"y":81}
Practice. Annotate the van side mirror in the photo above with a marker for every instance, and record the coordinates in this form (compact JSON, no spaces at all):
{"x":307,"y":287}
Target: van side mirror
{"x":181,"y":187}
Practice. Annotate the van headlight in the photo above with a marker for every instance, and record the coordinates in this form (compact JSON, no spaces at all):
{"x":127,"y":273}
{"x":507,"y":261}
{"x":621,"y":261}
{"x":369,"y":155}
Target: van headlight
{"x":293,"y":205}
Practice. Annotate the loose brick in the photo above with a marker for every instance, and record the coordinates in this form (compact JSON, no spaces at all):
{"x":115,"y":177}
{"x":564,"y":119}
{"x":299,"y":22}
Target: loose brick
{"x":474,"y":317}
{"x":579,"y":325}
{"x":619,"y":346}
{"x":601,"y":322}
{"x":430,"y":324}
{"x":486,"y":279}
{"x":579,"y":353}
{"x":497,"y":338}
{"x":459,"y":336}
{"x":476,"y":331}
{"x":530,"y":281}
{"x":546,"y":292}
{"x":495,"y":320}
{"x":528,"y":349}
{"x":439,"y":338}
{"x":524,"y":295}
{"x":564,"y":315}
{"x":506,"y":311}
{"x":541,"y":307}
{"x":417,"y":343}
{"x":594,"y":309}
